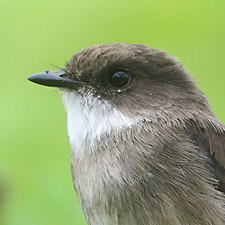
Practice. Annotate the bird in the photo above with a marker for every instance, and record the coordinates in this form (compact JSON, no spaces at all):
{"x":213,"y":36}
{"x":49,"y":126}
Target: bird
{"x":146,"y":147}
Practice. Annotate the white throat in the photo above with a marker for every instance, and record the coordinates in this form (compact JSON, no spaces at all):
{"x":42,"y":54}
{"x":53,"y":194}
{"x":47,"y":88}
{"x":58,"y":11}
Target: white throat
{"x":88,"y":118}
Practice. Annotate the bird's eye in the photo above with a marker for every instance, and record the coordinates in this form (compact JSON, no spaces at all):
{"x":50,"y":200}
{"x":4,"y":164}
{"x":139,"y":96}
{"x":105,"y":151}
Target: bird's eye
{"x":119,"y":79}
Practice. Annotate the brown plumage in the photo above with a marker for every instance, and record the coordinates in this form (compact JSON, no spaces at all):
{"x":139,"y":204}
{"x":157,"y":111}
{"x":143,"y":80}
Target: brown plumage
{"x":146,"y":146}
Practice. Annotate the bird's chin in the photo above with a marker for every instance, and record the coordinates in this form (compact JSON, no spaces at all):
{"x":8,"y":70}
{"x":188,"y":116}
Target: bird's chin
{"x":67,"y":91}
{"x":83,"y":95}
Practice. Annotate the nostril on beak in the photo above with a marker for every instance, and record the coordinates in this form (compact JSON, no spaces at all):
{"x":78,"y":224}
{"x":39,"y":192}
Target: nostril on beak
{"x":64,"y":75}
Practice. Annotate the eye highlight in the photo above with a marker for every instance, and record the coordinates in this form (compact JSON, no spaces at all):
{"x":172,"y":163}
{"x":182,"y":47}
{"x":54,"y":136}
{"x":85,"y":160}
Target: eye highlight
{"x":119,"y":79}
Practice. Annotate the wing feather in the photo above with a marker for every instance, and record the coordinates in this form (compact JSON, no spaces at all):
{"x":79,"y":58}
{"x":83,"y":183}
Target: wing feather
{"x":209,"y":134}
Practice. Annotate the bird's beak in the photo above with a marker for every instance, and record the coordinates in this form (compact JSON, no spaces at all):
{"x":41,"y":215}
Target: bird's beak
{"x":55,"y":79}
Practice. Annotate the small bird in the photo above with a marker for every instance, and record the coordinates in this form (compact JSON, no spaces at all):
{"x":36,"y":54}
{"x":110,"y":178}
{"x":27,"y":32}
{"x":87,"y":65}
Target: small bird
{"x":146,"y":148}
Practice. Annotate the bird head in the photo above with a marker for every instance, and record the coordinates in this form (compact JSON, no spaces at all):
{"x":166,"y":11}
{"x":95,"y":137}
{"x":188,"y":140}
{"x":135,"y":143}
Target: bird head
{"x":138,"y":81}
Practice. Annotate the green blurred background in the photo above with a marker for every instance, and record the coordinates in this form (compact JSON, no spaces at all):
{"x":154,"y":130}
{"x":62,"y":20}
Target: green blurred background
{"x":35,"y":180}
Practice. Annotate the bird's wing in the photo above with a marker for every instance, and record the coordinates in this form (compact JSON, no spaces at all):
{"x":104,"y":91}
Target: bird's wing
{"x":209,"y":134}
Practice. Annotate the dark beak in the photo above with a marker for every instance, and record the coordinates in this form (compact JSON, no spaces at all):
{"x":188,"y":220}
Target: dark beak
{"x":55,"y":79}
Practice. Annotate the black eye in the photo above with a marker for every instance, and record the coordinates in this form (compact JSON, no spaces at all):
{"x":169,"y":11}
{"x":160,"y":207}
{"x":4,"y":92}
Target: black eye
{"x":119,"y":79}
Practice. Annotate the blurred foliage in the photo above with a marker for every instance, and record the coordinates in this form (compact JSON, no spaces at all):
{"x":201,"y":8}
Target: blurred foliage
{"x":36,"y":36}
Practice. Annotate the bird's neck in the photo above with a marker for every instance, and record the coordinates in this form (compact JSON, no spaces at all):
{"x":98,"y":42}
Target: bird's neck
{"x":89,"y":118}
